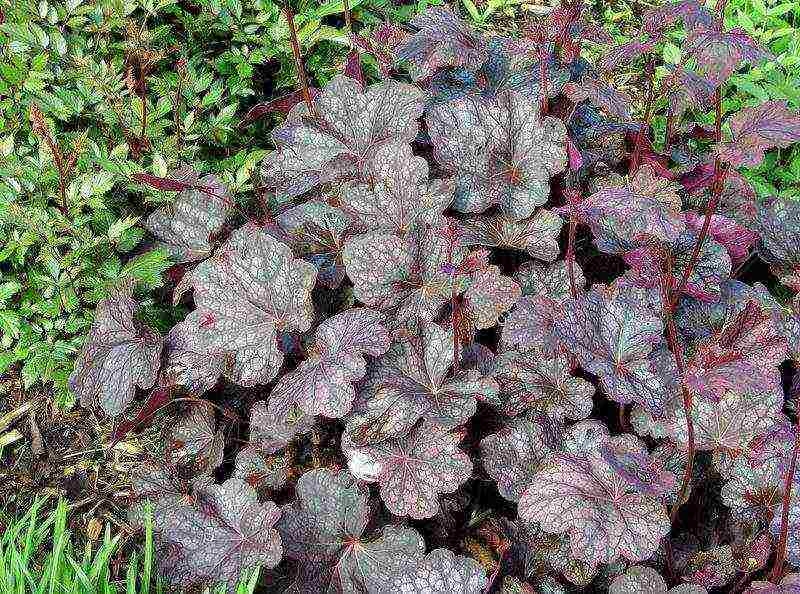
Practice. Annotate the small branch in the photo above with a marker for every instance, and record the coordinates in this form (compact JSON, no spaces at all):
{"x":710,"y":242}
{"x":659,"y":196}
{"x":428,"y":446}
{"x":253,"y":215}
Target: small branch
{"x":677,"y":350}
{"x":348,"y":20}
{"x":544,"y":82}
{"x":298,"y":60}
{"x":648,"y":114}
{"x":720,"y":173}
{"x":573,"y":196}
{"x":780,"y":556}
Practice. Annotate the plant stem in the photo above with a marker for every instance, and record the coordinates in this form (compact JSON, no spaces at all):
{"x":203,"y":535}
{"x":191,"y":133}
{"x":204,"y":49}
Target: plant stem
{"x":298,"y":60}
{"x":648,"y":114}
{"x":348,"y":21}
{"x":716,"y":191}
{"x":544,"y":82}
{"x":780,"y":555}
{"x":677,"y":350}
{"x":573,"y":224}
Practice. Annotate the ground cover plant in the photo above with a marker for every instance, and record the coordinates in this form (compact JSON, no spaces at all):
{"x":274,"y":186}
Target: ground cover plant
{"x":479,"y":328}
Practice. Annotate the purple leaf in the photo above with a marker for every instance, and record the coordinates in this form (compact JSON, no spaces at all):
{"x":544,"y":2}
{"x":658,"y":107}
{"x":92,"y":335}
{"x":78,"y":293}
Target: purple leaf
{"x":352,"y":67}
{"x":789,"y":585}
{"x":225,"y":534}
{"x":413,"y":470}
{"x":756,"y":129}
{"x":500,"y":151}
{"x":537,"y":235}
{"x":399,"y":194}
{"x":275,"y":423}
{"x":628,"y":457}
{"x":407,"y":274}
{"x":489,"y":296}
{"x":745,"y":354}
{"x":691,"y":12}
{"x":184,"y":228}
{"x":605,"y":517}
{"x":324,"y":531}
{"x":713,"y":265}
{"x":601,"y":94}
{"x":737,"y":201}
{"x":283,"y":104}
{"x":413,"y":381}
{"x":443,"y":41}
{"x":119,"y":354}
{"x":720,"y":53}
{"x":626,"y":52}
{"x":259,"y":469}
{"x":323,"y":383}
{"x":539,"y":383}
{"x":517,"y":452}
{"x":736,"y":239}
{"x":250,"y":288}
{"x":334,"y":146}
{"x":621,"y":218}
{"x":615,"y":336}
{"x":642,"y":579}
{"x":779,"y":226}
{"x":194,"y":438}
{"x":316,"y":232}
{"x":441,"y":572}
{"x":688,"y":91}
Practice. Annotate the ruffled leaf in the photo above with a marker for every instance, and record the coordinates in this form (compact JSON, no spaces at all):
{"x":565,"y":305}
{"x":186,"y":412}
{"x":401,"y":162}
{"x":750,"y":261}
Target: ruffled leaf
{"x":349,"y":126}
{"x":756,"y":129}
{"x":323,"y":383}
{"x":536,"y":235}
{"x":119,"y":354}
{"x":441,"y":572}
{"x":779,"y":226}
{"x":413,"y":470}
{"x":250,"y":289}
{"x":500,"y":151}
{"x":720,"y":53}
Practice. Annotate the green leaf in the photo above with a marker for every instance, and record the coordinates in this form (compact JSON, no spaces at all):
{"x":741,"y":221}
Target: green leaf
{"x":147,"y":268}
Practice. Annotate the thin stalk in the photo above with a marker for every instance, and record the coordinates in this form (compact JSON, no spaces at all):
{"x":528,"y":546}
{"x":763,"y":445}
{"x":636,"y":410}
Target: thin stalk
{"x":677,"y":350}
{"x":720,"y":173}
{"x":348,"y":20}
{"x":143,"y":98}
{"x":648,"y":114}
{"x":298,"y":60}
{"x":545,"y":83}
{"x":780,"y":556}
{"x":573,"y":225}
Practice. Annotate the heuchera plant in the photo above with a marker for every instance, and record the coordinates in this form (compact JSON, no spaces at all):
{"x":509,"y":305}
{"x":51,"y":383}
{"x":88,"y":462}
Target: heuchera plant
{"x":477,"y":301}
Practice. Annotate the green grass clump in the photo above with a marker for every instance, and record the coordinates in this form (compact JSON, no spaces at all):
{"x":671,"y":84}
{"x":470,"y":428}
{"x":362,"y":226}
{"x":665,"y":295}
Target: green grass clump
{"x":37,"y":556}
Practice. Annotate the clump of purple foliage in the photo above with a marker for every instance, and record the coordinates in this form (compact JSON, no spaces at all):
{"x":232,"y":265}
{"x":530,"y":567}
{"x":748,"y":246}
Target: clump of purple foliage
{"x":422,"y":369}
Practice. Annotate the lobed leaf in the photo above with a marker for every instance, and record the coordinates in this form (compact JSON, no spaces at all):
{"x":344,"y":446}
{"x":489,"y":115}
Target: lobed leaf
{"x":119,"y":354}
{"x":441,"y":572}
{"x":756,"y":129}
{"x":413,"y":470}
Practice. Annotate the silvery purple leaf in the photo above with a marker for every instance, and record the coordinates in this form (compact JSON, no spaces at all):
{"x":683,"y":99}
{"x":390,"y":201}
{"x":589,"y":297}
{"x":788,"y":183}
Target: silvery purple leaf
{"x":789,"y":585}
{"x":628,"y":457}
{"x":226,"y":533}
{"x":622,"y":218}
{"x":349,"y":126}
{"x":727,"y":425}
{"x":488,"y":296}
{"x":720,"y":53}
{"x":605,"y":517}
{"x":754,"y":491}
{"x":195,"y":438}
{"x":443,"y":41}
{"x":412,"y":471}
{"x":185,"y":227}
{"x":323,"y":383}
{"x":616,"y":338}
{"x":406,"y":275}
{"x":258,"y":468}
{"x":275,"y":423}
{"x":691,"y":12}
{"x":779,"y":226}
{"x":551,"y":280}
{"x":744,"y":355}
{"x":119,"y":354}
{"x":518,"y":451}
{"x":627,"y":52}
{"x":245,"y":293}
{"x":316,"y":232}
{"x":398,"y":194}
{"x":531,"y":381}
{"x":536,"y":235}
{"x":756,"y":129}
{"x":500,"y":151}
{"x":414,"y":381}
{"x":602,"y":94}
{"x":640,"y":579}
{"x":441,"y":572}
{"x":324,"y":531}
